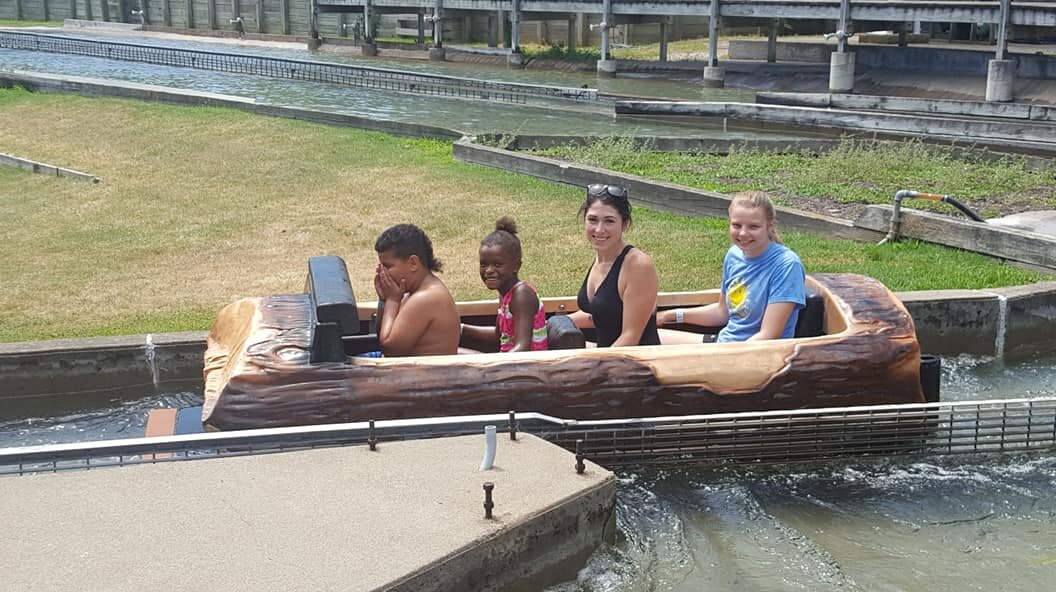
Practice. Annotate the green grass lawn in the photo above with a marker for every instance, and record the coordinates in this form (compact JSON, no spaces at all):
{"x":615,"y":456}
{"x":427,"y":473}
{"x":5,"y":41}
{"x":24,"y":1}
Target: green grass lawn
{"x":199,"y":206}
{"x":14,"y":23}
{"x":857,"y":172}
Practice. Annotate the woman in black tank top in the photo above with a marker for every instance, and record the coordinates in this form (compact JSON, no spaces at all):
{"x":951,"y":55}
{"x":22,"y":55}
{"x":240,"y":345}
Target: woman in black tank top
{"x":618,"y":296}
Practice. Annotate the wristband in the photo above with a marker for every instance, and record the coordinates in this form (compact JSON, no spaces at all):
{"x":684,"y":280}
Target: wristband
{"x":680,"y":316}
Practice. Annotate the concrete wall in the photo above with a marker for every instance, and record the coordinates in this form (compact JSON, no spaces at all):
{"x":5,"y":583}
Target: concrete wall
{"x":78,"y":365}
{"x":1013,"y":322}
{"x":34,"y":10}
{"x":1018,"y":134}
{"x":751,"y":49}
{"x":912,"y":59}
{"x":911,"y":105}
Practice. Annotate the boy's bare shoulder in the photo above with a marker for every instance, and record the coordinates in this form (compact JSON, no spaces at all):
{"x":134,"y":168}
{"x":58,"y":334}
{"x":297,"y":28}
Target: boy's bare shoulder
{"x":433,"y":293}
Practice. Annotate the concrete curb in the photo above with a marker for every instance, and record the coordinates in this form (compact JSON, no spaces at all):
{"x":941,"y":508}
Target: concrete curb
{"x":38,"y":368}
{"x":993,"y":240}
{"x":44,"y":168}
{"x":1010,"y":134}
{"x":1018,"y":111}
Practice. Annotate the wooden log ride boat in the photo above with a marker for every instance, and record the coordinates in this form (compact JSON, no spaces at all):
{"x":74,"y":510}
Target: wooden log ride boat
{"x":288,"y":360}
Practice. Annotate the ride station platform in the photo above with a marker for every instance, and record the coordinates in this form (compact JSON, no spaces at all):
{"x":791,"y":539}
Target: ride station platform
{"x":408,"y":516}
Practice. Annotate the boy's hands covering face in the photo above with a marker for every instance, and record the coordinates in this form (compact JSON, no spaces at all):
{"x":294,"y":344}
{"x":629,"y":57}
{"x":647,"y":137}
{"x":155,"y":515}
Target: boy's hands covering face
{"x":386,"y":286}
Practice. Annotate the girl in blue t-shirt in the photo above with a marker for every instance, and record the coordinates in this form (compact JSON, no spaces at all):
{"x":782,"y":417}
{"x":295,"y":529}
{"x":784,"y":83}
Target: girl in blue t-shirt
{"x":762,"y":280}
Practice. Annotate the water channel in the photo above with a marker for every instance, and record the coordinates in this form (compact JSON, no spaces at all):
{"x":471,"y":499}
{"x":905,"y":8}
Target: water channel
{"x":463,"y":115}
{"x":899,"y":524}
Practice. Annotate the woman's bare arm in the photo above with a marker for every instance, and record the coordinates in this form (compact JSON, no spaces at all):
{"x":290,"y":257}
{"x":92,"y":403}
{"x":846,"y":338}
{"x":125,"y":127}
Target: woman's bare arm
{"x":639,"y":285}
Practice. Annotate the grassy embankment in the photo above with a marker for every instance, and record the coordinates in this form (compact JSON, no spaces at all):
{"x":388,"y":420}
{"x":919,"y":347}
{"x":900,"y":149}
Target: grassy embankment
{"x":14,"y":23}
{"x":683,"y":48}
{"x":198,"y":206}
{"x":858,"y":172}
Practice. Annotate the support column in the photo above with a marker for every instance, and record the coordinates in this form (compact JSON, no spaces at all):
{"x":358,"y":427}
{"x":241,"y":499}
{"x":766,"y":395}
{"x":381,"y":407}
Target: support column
{"x":571,"y":33}
{"x":313,"y":26}
{"x":88,"y":10}
{"x":1001,"y":73}
{"x":73,"y":9}
{"x":515,"y":59}
{"x":260,"y":16}
{"x":903,"y":35}
{"x":166,"y":12}
{"x":493,"y":30}
{"x":421,"y":26}
{"x":771,"y":41}
{"x":500,"y":28}
{"x":714,"y":75}
{"x":104,"y":10}
{"x":284,"y":16}
{"x":1000,"y":80}
{"x":188,"y":15}
{"x":664,"y":32}
{"x":18,"y":10}
{"x":47,"y":15}
{"x":841,"y":72}
{"x":141,"y":11}
{"x":236,"y":17}
{"x":211,"y":13}
{"x":606,"y":65}
{"x":369,"y":48}
{"x":437,"y":52}
{"x":841,"y":63}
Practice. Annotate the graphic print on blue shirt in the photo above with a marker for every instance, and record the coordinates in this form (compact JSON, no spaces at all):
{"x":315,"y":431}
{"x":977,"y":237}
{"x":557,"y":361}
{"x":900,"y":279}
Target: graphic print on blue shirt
{"x":750,"y":285}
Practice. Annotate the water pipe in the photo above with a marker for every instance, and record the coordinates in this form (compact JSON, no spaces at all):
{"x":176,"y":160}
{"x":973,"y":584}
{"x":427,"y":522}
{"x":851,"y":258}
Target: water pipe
{"x":896,"y":215}
{"x":488,"y":461}
{"x":840,"y":35}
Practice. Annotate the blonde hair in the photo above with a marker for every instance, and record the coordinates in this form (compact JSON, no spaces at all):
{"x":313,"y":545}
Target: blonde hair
{"x":758,"y":199}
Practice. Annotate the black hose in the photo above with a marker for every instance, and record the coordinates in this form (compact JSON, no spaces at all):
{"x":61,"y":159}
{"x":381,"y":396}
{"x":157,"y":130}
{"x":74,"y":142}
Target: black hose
{"x":968,"y":212}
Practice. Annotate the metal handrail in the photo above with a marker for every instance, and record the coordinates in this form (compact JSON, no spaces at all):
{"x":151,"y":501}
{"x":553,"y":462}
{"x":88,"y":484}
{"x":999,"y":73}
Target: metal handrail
{"x":964,"y":427}
{"x":345,"y":74}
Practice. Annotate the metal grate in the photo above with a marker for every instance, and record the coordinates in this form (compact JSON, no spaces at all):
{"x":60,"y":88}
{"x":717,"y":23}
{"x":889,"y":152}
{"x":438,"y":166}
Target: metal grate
{"x":972,"y":427}
{"x":977,"y":427}
{"x":349,"y":75}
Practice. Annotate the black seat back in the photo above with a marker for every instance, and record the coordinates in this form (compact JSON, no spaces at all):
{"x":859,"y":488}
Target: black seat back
{"x":334,"y":305}
{"x":562,"y":333}
{"x":331,"y":291}
{"x":811,"y":322}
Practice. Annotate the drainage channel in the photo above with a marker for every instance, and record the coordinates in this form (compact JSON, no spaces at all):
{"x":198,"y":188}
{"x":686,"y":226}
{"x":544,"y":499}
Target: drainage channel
{"x":1000,"y":426}
{"x":349,"y":75}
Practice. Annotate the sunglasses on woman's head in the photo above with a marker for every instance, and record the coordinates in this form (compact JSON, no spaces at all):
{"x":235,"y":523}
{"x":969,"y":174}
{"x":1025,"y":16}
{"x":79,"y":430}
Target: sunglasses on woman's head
{"x":597,"y":189}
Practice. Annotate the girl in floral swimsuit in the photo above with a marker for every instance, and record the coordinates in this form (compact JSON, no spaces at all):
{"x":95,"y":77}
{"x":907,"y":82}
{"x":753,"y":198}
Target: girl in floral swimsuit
{"x":521,"y":321}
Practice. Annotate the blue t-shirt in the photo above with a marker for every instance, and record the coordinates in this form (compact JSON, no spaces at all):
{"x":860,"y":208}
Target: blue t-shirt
{"x":750,"y":285}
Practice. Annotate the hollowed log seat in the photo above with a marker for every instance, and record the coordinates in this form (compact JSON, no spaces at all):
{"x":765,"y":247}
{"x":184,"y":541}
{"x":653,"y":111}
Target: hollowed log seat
{"x":287,"y":360}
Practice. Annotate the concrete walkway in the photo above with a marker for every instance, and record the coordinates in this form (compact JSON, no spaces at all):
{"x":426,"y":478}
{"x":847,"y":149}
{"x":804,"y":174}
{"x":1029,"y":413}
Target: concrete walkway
{"x":407,"y":517}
